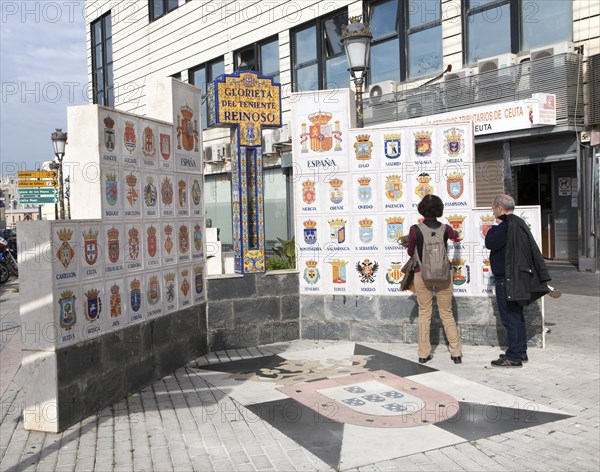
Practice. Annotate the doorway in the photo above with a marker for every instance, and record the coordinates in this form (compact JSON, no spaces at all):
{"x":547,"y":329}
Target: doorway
{"x":553,"y":186}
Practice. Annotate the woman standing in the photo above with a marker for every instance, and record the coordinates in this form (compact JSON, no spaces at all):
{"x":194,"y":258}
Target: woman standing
{"x":431,"y":207}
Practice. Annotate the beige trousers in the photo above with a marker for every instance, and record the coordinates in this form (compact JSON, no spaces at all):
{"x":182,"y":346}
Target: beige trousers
{"x":443,"y":294}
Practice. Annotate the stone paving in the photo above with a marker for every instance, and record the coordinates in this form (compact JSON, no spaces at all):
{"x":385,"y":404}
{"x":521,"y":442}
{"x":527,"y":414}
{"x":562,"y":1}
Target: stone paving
{"x":183,"y":423}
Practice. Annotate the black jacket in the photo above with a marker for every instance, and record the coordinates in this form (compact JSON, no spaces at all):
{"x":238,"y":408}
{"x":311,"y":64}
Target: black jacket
{"x":525,"y":269}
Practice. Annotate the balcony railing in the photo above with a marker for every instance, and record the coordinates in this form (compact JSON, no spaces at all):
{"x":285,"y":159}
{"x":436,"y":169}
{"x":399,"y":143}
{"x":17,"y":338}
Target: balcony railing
{"x":561,"y":75}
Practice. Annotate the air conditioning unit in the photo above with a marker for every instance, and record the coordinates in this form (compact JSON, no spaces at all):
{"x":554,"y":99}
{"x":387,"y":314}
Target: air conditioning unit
{"x":457,"y":88}
{"x":593,"y":116}
{"x":282,"y":135}
{"x":208,"y":154}
{"x":496,"y":77}
{"x":548,"y":63}
{"x":552,"y":50}
{"x":377,"y":90}
{"x":497,"y":63}
{"x":415,"y":102}
{"x":232,"y":151}
{"x":523,"y":79}
{"x":214,"y":153}
{"x":268,"y":142}
{"x":459,"y":74}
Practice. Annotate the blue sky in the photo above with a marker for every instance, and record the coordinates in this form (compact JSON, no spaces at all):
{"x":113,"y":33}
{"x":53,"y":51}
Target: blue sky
{"x":42,"y":71}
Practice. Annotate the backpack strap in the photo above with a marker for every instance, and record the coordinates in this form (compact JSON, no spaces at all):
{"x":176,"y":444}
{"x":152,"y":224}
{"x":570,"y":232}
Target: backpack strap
{"x":420,"y":228}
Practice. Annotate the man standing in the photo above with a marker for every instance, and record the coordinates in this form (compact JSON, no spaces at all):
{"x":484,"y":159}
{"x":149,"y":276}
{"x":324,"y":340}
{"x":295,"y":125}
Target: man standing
{"x":520,"y":273}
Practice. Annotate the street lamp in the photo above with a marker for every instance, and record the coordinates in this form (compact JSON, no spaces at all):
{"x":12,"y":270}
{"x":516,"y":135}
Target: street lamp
{"x":356,"y":38}
{"x":59,"y":139}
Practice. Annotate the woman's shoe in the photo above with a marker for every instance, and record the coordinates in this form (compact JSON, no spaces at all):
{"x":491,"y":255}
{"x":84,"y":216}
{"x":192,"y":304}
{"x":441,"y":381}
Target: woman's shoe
{"x":422,"y":360}
{"x":456,"y":359}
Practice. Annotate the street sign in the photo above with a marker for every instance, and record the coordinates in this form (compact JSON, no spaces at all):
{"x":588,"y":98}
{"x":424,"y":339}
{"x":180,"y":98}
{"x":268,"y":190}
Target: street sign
{"x":38,"y":200}
{"x":38,"y":183}
{"x":38,"y":191}
{"x":30,"y":174}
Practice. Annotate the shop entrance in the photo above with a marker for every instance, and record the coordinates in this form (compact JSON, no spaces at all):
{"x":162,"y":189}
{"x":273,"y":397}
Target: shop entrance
{"x":553,"y":186}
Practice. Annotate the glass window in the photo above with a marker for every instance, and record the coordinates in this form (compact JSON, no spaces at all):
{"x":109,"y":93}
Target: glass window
{"x":305,"y":45}
{"x":493,"y":22}
{"x":97,"y":32}
{"x":217,"y":204}
{"x":107,"y":27}
{"x":307,"y":78}
{"x":515,"y":25}
{"x":384,"y":20}
{"x":246,"y":59}
{"x":200,"y":76}
{"x":425,"y":55}
{"x":269,"y":59}
{"x":158,"y":8}
{"x":381,"y":67}
{"x":98,"y":57}
{"x":423,"y":12}
{"x":262,"y":57}
{"x":275,"y":206}
{"x":545,"y":23}
{"x":318,"y":56}
{"x":333,"y":35}
{"x":217,"y":68}
{"x":407,"y":39}
{"x":109,"y":51}
{"x":424,"y":38}
{"x":102,"y":77}
{"x":336,"y":71}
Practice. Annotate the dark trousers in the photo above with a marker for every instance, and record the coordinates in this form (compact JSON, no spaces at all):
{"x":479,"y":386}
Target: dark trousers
{"x":511,"y":315}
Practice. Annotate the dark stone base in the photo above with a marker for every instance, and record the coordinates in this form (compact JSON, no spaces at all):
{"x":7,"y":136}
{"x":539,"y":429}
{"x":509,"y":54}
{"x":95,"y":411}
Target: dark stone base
{"x":102,"y":371}
{"x":394,"y":319}
{"x":252,"y":310}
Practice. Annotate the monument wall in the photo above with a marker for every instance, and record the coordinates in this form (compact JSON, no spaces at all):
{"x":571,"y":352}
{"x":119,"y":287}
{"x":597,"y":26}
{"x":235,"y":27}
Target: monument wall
{"x":356,"y":193}
{"x":118,"y":294}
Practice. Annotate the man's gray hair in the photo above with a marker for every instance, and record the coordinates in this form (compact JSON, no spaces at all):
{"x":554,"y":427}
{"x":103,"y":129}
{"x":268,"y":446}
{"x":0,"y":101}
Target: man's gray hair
{"x":505,"y":201}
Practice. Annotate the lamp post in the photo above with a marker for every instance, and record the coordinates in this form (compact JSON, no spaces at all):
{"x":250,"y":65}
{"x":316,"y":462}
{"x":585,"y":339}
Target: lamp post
{"x":59,"y":140}
{"x":54,"y":167}
{"x":356,"y":38}
{"x":68,"y":195}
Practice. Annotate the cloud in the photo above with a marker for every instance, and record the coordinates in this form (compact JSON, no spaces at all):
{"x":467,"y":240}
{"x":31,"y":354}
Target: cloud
{"x":43,"y":69}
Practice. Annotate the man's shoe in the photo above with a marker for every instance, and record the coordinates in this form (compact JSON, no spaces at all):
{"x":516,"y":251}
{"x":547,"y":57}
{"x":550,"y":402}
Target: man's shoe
{"x":524,"y":357}
{"x":422,"y":360}
{"x":456,"y":359}
{"x":504,"y":362}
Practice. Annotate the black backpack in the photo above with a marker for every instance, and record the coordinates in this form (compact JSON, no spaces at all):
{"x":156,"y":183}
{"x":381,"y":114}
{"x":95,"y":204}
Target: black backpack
{"x":435,"y":266}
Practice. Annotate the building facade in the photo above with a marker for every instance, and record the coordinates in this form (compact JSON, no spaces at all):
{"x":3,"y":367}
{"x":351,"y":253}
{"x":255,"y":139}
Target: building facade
{"x":11,"y":210}
{"x":501,"y":52}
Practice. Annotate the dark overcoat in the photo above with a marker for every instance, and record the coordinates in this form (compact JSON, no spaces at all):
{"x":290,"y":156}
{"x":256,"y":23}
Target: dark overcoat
{"x":525,"y":270}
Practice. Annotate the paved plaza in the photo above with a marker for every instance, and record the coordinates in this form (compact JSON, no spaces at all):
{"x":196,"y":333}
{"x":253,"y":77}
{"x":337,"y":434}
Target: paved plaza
{"x":317,"y":406}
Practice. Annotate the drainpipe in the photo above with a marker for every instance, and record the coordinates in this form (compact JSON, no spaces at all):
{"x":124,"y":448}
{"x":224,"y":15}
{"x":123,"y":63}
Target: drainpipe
{"x":506,"y":169}
{"x":587,"y":179}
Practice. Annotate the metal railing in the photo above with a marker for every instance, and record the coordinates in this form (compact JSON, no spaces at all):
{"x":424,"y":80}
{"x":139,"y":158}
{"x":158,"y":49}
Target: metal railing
{"x":561,"y":75}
